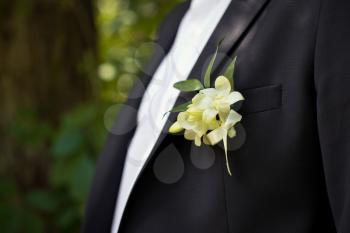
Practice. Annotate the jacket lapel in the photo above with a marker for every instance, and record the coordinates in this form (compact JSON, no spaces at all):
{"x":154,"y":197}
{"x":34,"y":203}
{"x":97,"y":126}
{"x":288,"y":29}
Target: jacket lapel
{"x":234,"y":24}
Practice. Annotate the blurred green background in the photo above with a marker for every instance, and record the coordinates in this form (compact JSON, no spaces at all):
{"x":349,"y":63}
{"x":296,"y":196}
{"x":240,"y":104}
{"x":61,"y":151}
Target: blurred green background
{"x":63,"y":64}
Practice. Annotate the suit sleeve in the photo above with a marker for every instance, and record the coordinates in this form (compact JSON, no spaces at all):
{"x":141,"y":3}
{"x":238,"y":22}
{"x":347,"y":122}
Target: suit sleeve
{"x":332,"y":83}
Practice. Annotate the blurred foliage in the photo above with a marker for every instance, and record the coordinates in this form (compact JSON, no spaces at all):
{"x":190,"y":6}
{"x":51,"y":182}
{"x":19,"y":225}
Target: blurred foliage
{"x":126,"y":29}
{"x":46,"y":191}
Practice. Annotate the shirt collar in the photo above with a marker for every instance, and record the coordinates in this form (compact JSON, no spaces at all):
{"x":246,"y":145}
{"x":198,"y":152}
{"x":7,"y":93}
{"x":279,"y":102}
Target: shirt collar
{"x":206,"y":3}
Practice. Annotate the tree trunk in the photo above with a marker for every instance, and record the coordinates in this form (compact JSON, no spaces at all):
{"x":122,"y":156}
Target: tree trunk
{"x":47,"y":52}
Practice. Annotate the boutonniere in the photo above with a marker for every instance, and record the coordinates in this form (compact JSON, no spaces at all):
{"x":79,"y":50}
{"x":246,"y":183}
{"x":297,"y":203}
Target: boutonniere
{"x":209,"y":117}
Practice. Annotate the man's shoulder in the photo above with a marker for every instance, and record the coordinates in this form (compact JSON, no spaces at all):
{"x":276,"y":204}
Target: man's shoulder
{"x":178,"y":9}
{"x":173,"y":17}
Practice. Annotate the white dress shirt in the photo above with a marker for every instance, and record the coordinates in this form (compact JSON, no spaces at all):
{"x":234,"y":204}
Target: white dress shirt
{"x":194,"y":31}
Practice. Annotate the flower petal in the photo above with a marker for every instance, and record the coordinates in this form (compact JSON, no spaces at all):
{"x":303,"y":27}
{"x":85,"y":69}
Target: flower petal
{"x":231,"y":132}
{"x":213,"y":124}
{"x":197,"y":98}
{"x":222,"y":84}
{"x":205,"y":140}
{"x":209,"y":114}
{"x":216,"y":135}
{"x":200,"y":129}
{"x":182,"y":119}
{"x":232,"y":119}
{"x":175,"y":128}
{"x":190,"y":135}
{"x":233,"y":97}
{"x":224,"y":110}
{"x":198,"y":141}
{"x":209,"y":91}
{"x":203,"y":102}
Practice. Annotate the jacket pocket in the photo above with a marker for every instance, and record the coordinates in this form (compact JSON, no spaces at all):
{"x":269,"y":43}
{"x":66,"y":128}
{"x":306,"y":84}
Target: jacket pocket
{"x":261,"y":99}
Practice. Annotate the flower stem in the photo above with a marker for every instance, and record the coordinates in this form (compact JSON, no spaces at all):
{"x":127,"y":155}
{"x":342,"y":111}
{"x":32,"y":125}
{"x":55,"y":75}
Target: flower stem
{"x":224,"y":139}
{"x":228,"y":165}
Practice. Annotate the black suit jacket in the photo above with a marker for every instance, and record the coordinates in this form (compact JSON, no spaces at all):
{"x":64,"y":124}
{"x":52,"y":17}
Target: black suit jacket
{"x":291,"y":158}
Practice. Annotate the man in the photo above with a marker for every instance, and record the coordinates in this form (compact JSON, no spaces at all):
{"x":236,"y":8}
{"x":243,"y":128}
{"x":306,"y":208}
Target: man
{"x":291,"y":159}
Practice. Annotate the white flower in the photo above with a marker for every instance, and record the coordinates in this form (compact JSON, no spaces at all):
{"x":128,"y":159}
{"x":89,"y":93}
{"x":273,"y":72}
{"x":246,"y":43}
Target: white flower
{"x":209,"y":116}
{"x":210,"y":110}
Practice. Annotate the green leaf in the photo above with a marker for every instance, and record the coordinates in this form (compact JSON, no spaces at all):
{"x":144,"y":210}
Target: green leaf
{"x":210,"y":67}
{"x":189,"y":85}
{"x":181,"y":107}
{"x":229,"y":73}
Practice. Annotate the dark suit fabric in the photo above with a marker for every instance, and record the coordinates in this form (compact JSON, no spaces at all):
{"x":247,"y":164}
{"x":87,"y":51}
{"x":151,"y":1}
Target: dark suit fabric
{"x":291,"y":173}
